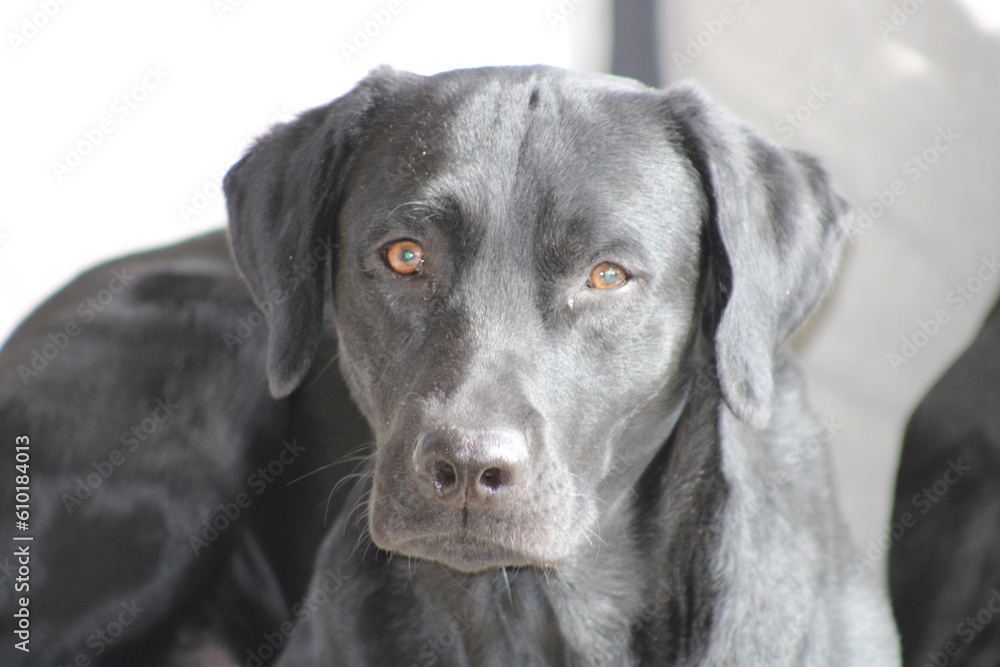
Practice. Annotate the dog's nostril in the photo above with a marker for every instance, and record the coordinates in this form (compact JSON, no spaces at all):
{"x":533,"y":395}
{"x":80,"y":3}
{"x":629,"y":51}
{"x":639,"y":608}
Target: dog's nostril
{"x":444,"y":475}
{"x":491,"y":479}
{"x":469,"y":468}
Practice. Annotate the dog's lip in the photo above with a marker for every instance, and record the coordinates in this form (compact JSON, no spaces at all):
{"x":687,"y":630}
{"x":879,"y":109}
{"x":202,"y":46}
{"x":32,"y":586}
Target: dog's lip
{"x":464,"y":551}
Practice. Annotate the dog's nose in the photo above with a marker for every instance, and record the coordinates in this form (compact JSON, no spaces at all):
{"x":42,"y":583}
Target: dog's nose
{"x":469,"y":468}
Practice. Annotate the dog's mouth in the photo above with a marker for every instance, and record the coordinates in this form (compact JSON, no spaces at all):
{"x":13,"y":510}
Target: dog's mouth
{"x":465,"y":545}
{"x":534,"y":533}
{"x":465,"y":552}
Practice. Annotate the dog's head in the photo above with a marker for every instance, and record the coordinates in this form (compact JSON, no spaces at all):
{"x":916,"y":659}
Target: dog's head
{"x":524,"y":258}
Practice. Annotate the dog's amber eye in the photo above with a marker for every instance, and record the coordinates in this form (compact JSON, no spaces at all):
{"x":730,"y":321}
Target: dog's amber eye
{"x":607,"y":276}
{"x":404,"y":257}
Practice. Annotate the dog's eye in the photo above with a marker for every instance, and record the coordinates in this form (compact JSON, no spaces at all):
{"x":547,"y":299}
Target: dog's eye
{"x":607,"y":276}
{"x":404,"y":257}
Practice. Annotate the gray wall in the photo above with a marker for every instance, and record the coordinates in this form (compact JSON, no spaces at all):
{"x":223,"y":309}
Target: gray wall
{"x":900,"y":100}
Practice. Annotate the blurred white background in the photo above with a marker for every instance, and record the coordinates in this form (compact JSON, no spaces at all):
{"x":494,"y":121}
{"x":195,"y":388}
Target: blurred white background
{"x":121,"y":118}
{"x":200,"y":80}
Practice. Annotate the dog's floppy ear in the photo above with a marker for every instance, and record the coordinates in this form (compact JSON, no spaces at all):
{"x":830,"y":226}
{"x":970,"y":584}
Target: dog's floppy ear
{"x":282,"y":199}
{"x":780,"y":226}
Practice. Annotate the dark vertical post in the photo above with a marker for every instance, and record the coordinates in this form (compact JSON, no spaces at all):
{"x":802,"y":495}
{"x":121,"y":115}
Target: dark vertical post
{"x":634,"y":50}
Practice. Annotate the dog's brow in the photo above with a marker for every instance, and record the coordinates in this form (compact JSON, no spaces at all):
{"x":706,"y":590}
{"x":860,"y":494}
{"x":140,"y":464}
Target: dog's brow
{"x":624,"y":248}
{"x":412,"y":216}
{"x":409,"y":208}
{"x":418,"y":213}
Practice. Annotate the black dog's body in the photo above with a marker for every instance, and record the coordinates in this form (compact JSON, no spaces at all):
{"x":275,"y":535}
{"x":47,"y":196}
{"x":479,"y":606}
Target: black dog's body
{"x":127,"y":477}
{"x":945,"y":566}
{"x":587,"y":445}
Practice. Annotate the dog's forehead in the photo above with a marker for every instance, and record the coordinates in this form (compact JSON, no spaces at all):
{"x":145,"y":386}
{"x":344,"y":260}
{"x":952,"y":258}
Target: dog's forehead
{"x":505,"y":142}
{"x":501,"y":124}
{"x":508,"y":118}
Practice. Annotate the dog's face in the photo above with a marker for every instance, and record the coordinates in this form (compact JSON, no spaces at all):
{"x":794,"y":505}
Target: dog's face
{"x":518,"y":284}
{"x":515,"y":283}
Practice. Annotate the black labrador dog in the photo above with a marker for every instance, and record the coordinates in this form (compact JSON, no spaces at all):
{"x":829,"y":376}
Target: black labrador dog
{"x":944,"y":564}
{"x":509,"y":386}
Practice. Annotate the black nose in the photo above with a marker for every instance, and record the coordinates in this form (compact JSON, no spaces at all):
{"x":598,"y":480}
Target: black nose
{"x":469,"y":468}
